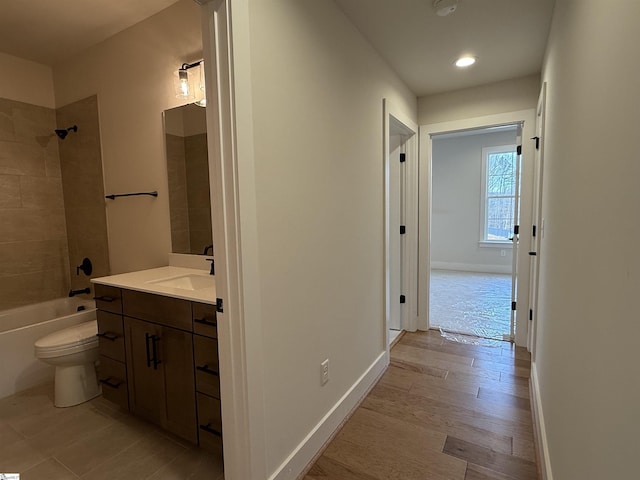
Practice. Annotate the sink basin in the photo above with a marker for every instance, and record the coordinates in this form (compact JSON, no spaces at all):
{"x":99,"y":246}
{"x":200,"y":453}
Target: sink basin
{"x":186,"y":282}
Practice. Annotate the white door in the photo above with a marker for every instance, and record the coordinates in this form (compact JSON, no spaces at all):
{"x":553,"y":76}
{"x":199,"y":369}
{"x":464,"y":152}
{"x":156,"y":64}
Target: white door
{"x":396,"y":177}
{"x":536,"y":221}
{"x":516,"y":234}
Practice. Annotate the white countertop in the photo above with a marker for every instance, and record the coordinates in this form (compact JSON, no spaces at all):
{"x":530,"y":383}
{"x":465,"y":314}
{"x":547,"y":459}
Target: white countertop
{"x":146,"y":281}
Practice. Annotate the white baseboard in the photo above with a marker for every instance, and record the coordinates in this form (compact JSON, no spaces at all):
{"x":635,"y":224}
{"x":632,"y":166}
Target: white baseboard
{"x":471,"y":267}
{"x":305,"y":452}
{"x":539,"y":426}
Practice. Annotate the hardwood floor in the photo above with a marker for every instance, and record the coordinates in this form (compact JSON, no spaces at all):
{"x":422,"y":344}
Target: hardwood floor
{"x":444,"y":411}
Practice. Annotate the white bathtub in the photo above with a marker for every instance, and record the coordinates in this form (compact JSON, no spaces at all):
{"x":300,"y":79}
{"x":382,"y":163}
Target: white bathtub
{"x":21,"y":327}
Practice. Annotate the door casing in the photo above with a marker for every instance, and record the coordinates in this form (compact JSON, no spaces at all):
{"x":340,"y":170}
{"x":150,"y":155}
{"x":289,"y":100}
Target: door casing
{"x":527,"y":117}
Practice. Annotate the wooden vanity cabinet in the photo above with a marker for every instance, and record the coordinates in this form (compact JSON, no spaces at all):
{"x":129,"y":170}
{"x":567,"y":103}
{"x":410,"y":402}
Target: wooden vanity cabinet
{"x":159,"y":360}
{"x":205,"y":354}
{"x":112,"y":370}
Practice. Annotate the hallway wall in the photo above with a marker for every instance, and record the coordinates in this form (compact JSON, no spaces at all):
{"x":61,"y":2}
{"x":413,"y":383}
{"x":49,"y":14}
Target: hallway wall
{"x":586,"y":359}
{"x":500,"y":97}
{"x":317,"y":219}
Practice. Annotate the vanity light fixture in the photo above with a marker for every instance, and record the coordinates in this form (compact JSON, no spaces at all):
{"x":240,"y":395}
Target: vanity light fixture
{"x":183,"y":84}
{"x":465,"y":61}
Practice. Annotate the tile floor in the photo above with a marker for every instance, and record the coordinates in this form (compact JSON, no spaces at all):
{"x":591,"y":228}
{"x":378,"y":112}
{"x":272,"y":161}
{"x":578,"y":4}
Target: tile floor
{"x":92,"y":441}
{"x":471,"y":303}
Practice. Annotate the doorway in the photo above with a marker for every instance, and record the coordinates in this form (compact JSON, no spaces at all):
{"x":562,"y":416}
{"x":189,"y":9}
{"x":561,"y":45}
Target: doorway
{"x":401,"y":222}
{"x":475,"y":207}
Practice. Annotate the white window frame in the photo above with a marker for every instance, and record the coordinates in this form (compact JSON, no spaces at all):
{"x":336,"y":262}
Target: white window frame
{"x":484,"y":241}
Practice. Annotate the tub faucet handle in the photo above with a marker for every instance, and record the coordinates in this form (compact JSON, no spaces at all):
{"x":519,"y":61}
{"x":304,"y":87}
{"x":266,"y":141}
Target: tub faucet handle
{"x":85,"y":266}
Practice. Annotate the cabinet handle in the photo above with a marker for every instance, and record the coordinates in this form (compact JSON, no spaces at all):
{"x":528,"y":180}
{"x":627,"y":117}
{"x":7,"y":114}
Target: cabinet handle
{"x":146,"y":341}
{"x":105,"y":298}
{"x":206,"y":369}
{"x":204,"y":321}
{"x":156,"y":362}
{"x":108,"y":335}
{"x":209,"y":429}
{"x":109,"y":382}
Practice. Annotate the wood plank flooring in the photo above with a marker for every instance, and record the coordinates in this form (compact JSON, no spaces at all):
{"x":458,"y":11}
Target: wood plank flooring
{"x":442,"y":410}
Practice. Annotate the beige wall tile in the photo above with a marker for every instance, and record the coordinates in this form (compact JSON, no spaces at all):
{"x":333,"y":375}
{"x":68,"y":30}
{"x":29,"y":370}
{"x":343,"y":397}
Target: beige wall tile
{"x":83,"y":188}
{"x":9,"y":191}
{"x":6,"y":120}
{"x":41,"y":192}
{"x":21,"y":159}
{"x":19,"y":290}
{"x":18,"y":258}
{"x":31,"y":224}
{"x":33,"y":124}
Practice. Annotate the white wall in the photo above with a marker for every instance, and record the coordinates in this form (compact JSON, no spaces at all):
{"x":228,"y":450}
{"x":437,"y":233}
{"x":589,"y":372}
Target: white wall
{"x":26,"y":81}
{"x":500,"y":97}
{"x":318,"y":90}
{"x":456,"y":204}
{"x":587,"y":343}
{"x":132,"y":74}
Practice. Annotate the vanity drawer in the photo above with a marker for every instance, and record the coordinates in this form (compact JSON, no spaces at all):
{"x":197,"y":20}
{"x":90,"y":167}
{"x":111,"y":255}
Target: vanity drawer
{"x":108,"y":298}
{"x":110,"y":335}
{"x":172,"y":312}
{"x":209,"y":424}
{"x":113,"y":378}
{"x":204,"y":319}
{"x":205,"y":355}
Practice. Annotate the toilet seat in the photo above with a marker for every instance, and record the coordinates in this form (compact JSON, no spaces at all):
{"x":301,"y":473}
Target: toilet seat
{"x":68,"y":341}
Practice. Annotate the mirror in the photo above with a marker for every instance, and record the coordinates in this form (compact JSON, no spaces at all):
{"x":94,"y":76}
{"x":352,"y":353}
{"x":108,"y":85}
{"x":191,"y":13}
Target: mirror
{"x":185,"y":131}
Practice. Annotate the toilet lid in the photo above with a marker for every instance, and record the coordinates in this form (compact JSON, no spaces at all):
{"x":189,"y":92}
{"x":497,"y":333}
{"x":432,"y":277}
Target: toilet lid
{"x":68,"y":337}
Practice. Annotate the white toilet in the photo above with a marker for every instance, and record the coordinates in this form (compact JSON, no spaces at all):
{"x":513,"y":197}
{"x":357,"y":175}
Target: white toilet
{"x":74,"y":352}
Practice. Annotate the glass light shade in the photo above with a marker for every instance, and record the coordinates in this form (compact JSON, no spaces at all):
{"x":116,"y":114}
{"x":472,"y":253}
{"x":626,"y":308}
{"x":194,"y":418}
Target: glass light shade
{"x":201,"y":94}
{"x":182,"y":85}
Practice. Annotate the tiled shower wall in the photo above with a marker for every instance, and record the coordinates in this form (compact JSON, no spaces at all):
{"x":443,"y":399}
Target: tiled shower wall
{"x":39,"y":239}
{"x":34,"y":264}
{"x":83,"y":187}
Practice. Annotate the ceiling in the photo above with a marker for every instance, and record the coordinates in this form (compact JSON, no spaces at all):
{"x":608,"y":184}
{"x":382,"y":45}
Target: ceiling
{"x":48,"y":32}
{"x":507,"y":36}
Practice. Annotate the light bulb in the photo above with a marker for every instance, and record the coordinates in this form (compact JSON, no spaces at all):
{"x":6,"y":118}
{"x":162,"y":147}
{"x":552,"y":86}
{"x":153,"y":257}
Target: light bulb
{"x":184,"y":83}
{"x":465,"y":61}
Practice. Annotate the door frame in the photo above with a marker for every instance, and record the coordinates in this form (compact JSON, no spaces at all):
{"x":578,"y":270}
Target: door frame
{"x":231,"y":169}
{"x":536,"y":219}
{"x":395,"y":117}
{"x":527,"y":117}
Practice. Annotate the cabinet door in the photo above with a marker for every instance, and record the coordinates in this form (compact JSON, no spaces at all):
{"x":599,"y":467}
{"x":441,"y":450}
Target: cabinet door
{"x":179,"y":385}
{"x":146,"y":389}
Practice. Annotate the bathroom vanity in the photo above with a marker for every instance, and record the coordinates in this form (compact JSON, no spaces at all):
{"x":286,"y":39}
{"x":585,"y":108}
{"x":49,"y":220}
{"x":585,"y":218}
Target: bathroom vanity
{"x":159,"y":352}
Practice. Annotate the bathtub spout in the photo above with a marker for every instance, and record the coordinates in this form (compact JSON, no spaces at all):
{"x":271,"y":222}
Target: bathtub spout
{"x":78,"y":292}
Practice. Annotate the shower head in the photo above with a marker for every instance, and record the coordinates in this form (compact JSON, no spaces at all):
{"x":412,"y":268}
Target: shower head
{"x":62,"y":133}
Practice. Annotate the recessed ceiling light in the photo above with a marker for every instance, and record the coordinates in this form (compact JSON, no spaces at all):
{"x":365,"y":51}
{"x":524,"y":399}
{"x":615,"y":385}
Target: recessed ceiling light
{"x":465,"y":61}
{"x":445,"y":7}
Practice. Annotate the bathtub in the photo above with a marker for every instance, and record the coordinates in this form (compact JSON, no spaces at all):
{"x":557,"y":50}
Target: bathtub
{"x":21,"y":327}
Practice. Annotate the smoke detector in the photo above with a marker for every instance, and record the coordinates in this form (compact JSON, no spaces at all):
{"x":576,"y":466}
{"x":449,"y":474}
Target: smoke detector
{"x":445,"y":7}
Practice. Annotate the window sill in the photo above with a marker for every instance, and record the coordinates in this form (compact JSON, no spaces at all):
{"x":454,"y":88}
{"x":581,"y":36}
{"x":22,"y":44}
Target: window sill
{"x":496,"y":244}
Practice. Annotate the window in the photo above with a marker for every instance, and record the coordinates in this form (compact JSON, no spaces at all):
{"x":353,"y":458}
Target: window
{"x":500,"y":172}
